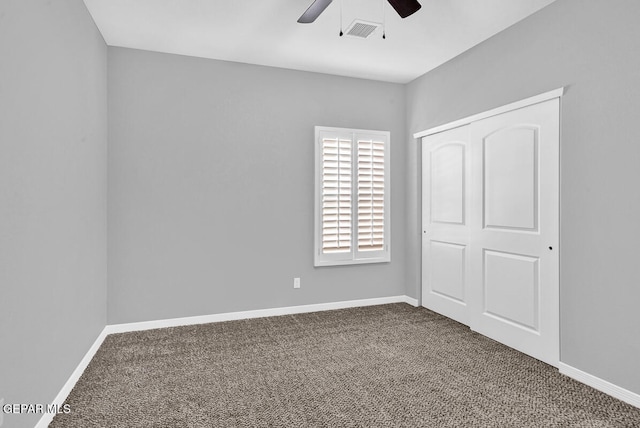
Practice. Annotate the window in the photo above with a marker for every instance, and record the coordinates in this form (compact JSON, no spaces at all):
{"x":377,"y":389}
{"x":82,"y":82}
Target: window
{"x":351,"y":196}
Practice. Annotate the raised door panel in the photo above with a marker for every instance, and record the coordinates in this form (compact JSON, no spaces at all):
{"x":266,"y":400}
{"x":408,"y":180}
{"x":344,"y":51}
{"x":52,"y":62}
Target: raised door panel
{"x":448,"y":270}
{"x":447,"y":183}
{"x":511,"y":288}
{"x":510,"y":166}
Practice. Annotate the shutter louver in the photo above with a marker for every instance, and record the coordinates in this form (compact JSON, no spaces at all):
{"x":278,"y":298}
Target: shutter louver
{"x":336,"y":195}
{"x":371,"y":190}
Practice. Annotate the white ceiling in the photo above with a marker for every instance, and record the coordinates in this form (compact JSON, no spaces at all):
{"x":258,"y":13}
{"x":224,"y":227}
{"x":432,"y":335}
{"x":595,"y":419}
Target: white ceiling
{"x":265,"y":32}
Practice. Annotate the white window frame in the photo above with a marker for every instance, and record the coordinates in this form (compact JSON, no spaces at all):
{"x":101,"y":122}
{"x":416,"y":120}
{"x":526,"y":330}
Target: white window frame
{"x":353,"y":256}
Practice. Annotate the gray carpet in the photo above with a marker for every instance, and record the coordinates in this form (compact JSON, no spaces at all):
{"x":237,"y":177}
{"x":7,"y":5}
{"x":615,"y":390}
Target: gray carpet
{"x":379,"y":366}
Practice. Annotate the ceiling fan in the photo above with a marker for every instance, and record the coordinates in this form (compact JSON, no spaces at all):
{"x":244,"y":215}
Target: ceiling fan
{"x":403,"y":7}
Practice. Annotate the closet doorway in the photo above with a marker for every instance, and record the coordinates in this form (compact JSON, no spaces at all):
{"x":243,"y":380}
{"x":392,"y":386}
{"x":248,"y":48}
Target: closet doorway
{"x":490,"y":224}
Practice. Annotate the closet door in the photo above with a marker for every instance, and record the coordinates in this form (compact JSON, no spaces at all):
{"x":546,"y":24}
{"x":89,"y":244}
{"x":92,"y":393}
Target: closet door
{"x":514,"y":231}
{"x":445,"y":223}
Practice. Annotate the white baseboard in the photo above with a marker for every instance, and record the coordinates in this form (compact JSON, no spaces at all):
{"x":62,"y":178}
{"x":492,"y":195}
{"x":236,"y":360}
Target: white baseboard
{"x":410,"y":300}
{"x":259,"y":313}
{"x":600,"y":384}
{"x":46,"y":418}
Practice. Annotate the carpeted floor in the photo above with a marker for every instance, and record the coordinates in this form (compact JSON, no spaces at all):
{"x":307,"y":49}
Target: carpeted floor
{"x":378,"y":366}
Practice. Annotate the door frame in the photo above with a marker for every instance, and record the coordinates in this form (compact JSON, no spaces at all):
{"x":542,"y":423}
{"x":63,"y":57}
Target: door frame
{"x":556,"y":93}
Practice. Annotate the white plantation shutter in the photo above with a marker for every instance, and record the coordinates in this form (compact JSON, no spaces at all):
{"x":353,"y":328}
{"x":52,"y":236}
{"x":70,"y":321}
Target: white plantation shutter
{"x":371,"y":195}
{"x":352,"y":194}
{"x":336,"y":195}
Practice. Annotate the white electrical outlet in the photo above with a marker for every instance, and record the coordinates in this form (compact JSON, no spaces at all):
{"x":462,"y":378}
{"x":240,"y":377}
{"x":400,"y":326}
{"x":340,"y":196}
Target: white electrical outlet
{"x":296,"y":282}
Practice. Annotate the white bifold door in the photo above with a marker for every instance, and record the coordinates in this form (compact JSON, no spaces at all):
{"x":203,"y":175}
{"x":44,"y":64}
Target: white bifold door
{"x":491,"y":227}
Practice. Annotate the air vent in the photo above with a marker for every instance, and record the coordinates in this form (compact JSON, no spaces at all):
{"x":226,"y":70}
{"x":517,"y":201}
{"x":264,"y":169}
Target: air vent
{"x":362,"y":29}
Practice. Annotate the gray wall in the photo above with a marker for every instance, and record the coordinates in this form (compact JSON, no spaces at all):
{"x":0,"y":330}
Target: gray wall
{"x":591,"y":47}
{"x":53,"y":131}
{"x":211,"y":185}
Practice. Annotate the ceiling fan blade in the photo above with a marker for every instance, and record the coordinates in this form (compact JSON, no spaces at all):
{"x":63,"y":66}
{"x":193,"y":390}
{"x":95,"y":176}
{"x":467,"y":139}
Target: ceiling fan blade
{"x":405,"y":7}
{"x":316,"y":8}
